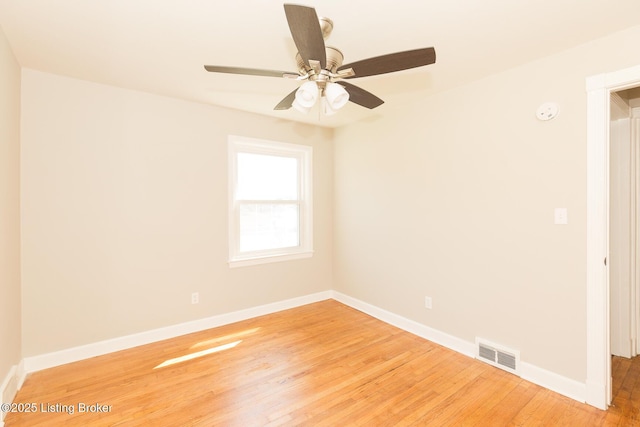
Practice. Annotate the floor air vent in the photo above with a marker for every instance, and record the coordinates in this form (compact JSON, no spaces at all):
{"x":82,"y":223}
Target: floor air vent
{"x":498,"y":356}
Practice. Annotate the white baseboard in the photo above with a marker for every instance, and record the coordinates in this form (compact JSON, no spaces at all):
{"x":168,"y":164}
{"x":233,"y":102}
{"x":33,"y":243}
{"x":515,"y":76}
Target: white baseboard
{"x":549,"y":380}
{"x":49,"y":360}
{"x":554,"y":382}
{"x":8,"y":389}
{"x":21,"y":374}
{"x":423,"y":331}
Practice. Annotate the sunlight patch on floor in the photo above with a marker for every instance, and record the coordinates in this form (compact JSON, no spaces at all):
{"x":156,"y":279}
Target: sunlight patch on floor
{"x":197,"y":354}
{"x":212,"y":341}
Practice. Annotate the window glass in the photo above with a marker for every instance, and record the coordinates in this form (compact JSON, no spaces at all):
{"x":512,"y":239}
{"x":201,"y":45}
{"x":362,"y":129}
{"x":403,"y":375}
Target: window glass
{"x":264,"y":177}
{"x":268,"y":226}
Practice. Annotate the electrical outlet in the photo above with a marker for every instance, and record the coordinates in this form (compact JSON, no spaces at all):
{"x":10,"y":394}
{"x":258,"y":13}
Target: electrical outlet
{"x":427,"y":302}
{"x":195,"y":298}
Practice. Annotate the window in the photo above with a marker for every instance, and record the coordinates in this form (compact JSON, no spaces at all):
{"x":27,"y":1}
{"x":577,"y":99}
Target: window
{"x":270,"y":211}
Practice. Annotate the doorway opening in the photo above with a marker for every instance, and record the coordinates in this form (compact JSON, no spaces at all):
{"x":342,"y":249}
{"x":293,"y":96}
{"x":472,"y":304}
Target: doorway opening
{"x":599,"y":90}
{"x":624,"y":230}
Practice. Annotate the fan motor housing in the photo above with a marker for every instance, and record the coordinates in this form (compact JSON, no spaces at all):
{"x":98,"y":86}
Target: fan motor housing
{"x":334,"y":60}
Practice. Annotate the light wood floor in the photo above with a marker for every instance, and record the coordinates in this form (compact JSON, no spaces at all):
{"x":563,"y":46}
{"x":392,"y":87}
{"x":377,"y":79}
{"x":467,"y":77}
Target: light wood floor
{"x":323,"y":364}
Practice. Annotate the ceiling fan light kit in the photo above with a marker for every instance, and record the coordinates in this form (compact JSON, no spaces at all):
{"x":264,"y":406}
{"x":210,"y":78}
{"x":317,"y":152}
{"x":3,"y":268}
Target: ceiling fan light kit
{"x":321,"y":66}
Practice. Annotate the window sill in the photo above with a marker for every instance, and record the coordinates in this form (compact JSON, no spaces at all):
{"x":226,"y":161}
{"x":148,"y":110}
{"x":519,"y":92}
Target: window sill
{"x":268,"y":259}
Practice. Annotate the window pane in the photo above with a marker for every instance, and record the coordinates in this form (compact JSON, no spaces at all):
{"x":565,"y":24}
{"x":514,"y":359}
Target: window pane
{"x":264,"y":177}
{"x":268,"y":226}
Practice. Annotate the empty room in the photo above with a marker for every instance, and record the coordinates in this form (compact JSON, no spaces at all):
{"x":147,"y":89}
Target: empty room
{"x":328,"y":213}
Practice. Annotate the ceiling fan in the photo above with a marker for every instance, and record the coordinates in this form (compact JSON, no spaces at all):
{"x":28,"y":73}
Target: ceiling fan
{"x":321,"y":66}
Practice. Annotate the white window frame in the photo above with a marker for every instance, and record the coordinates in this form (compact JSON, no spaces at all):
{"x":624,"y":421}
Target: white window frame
{"x":304,"y":155}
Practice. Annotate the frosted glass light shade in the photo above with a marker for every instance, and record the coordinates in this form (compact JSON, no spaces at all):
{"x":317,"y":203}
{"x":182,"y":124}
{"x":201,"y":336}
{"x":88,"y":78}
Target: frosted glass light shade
{"x":295,"y":104}
{"x":326,"y":108}
{"x":307,"y":95}
{"x":336,"y":96}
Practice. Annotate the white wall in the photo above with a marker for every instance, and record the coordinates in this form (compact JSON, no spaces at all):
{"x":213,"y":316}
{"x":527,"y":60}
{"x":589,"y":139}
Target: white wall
{"x":124,"y":198}
{"x":454,"y":198}
{"x":10,"y":345}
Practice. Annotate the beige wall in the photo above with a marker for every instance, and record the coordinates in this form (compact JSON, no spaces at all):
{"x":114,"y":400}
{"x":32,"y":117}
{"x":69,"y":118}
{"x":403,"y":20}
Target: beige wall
{"x":10,"y":346}
{"x":124,"y":210}
{"x":124,"y":203}
{"x":454,"y":198}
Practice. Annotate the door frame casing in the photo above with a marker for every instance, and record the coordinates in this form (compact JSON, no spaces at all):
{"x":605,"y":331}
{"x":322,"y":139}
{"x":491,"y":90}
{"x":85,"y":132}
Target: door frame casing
{"x":599,"y":88}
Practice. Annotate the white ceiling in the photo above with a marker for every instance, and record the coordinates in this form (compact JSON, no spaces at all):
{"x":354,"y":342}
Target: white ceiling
{"x":160,"y":46}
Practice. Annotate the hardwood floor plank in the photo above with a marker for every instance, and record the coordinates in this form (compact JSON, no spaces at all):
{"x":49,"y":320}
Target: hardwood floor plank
{"x":323,"y":364}
{"x":493,"y":390}
{"x":510,"y":405}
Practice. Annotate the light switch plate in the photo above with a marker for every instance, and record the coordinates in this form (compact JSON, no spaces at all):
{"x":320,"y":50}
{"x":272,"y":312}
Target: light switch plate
{"x":560,"y":216}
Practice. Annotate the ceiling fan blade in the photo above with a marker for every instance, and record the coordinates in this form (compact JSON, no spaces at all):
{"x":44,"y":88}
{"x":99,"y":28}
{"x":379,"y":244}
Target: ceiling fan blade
{"x":287,"y":101}
{"x":249,"y":71}
{"x":360,"y":96}
{"x":306,"y":32}
{"x":392,"y":62}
